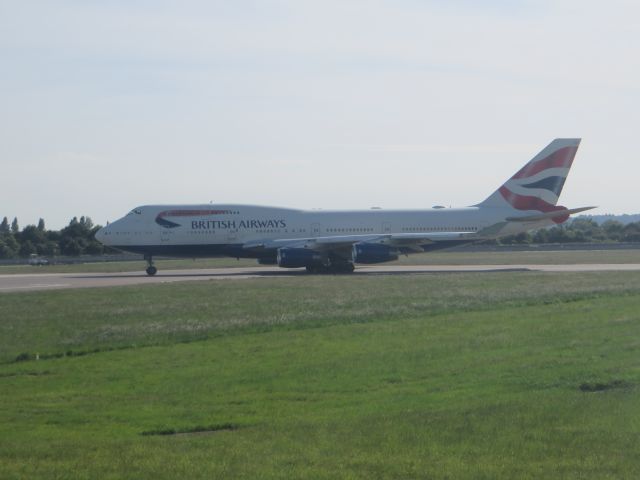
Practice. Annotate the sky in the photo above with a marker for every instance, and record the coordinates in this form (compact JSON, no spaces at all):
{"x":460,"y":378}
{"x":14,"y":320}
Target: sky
{"x":331,"y":104}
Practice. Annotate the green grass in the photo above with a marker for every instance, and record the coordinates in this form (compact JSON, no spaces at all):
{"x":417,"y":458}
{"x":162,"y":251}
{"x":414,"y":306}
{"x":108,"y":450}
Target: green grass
{"x":55,"y":322}
{"x":511,"y":375}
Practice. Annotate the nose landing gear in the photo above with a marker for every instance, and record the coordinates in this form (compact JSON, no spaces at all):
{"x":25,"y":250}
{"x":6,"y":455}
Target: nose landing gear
{"x":151,"y":269}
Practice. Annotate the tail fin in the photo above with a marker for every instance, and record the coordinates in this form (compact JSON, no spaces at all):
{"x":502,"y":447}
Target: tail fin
{"x":537,"y":185}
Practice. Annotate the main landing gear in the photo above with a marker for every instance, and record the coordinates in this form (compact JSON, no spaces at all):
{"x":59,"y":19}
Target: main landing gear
{"x":151,"y":269}
{"x":346,"y":267}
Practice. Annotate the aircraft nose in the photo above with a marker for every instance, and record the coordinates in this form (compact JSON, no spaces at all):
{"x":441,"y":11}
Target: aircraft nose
{"x":100,"y":235}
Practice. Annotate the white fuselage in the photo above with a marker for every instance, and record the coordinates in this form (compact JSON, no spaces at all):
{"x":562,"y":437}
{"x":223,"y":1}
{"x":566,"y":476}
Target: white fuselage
{"x":195,"y":225}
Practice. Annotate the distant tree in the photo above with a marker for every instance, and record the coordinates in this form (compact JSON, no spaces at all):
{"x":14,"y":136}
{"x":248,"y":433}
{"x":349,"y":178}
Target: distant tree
{"x":540,"y":236}
{"x":75,"y":229}
{"x":27,"y":248}
{"x":41,"y":225}
{"x":71,"y":246}
{"x":631,"y":232}
{"x":558,"y":234}
{"x":14,"y":226}
{"x":613,"y":230}
{"x":86,"y":222}
{"x":35,"y":237}
{"x":8,"y":247}
{"x":523,"y":238}
{"x":32,"y":234}
{"x":585,"y":229}
{"x":4,"y":226}
{"x":94,"y":248}
{"x":78,"y":237}
{"x":48,"y":248}
{"x":53,"y":235}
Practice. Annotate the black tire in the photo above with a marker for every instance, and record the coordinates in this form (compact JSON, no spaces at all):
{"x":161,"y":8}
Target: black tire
{"x":340,"y":268}
{"x":151,"y":271}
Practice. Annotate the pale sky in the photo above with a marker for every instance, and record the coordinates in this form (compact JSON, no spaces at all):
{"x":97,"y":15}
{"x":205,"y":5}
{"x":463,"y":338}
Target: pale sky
{"x":107,"y":105}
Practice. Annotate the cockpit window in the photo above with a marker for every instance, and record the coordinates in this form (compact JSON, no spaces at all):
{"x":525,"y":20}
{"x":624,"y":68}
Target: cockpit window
{"x":135,"y":211}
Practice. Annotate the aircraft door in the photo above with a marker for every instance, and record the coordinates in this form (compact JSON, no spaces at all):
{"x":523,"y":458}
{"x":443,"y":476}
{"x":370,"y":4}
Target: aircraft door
{"x":315,"y":229}
{"x":165,"y":235}
{"x":386,"y":227}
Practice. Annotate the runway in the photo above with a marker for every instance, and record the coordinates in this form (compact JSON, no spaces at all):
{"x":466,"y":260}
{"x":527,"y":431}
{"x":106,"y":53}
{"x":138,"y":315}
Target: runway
{"x":57,"y":281}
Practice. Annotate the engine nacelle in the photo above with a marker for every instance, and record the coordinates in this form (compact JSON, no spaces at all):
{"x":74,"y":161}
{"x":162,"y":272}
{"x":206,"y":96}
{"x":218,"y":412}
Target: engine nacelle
{"x":373,"y":253}
{"x":298,"y":257}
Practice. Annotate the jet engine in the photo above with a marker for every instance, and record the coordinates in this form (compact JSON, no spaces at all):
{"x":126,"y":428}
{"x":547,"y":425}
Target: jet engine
{"x":373,"y":253}
{"x":299,"y":257}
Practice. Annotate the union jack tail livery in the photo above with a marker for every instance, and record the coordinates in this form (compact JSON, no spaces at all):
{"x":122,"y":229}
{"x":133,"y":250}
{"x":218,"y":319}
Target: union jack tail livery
{"x":537,"y":185}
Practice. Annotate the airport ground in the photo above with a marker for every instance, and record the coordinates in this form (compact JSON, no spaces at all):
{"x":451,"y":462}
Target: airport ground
{"x":511,"y":374}
{"x":504,"y":256}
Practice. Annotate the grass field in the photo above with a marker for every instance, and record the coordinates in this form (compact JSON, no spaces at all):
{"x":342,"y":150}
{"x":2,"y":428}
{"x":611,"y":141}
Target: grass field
{"x":432,"y":258}
{"x":488,"y":375}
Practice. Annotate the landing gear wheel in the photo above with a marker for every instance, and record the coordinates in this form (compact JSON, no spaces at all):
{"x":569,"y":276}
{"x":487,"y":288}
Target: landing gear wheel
{"x":151,"y":270}
{"x":343,"y":268}
{"x":332,"y":268}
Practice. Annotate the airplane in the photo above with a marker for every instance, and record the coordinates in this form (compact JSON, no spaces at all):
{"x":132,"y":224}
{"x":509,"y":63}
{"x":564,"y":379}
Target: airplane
{"x":334,"y":241}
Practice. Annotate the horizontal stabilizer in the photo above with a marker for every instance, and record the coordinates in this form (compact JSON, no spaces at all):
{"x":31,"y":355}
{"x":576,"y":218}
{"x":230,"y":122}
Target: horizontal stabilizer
{"x":548,"y":215}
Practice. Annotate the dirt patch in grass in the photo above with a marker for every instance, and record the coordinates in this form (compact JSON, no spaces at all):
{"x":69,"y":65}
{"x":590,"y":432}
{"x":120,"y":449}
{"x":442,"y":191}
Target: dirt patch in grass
{"x":602,"y":387}
{"x":192,"y":430}
{"x":25,"y":374}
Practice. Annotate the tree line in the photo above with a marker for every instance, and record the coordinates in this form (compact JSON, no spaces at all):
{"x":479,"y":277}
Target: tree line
{"x":579,"y":230}
{"x":77,"y":238}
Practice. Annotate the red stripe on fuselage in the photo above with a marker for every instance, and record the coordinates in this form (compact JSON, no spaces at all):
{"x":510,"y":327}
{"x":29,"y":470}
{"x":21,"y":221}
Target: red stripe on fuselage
{"x":191,"y":213}
{"x":562,"y":158}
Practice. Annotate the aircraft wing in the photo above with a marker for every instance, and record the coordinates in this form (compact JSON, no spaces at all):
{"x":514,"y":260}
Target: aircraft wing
{"x":308,"y":242}
{"x":340,"y":242}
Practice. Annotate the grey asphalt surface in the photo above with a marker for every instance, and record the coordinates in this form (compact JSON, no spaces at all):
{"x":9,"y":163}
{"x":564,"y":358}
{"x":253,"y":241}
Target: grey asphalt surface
{"x":56,"y":281}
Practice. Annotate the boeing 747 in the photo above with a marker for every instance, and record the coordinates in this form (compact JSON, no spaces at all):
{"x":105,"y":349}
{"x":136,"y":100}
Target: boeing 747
{"x":334,"y":241}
